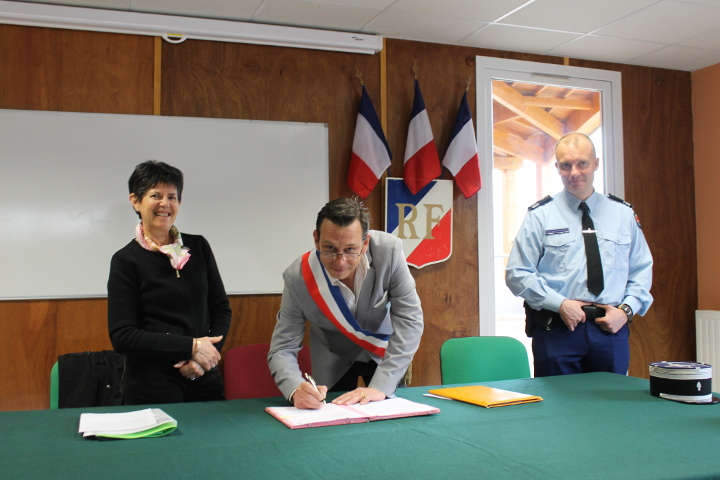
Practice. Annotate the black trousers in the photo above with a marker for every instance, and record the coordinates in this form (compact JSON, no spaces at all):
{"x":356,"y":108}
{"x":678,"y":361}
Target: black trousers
{"x":149,"y":383}
{"x":349,"y":381}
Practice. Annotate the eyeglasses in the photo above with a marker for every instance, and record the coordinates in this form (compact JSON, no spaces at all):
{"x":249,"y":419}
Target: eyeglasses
{"x":333,"y":255}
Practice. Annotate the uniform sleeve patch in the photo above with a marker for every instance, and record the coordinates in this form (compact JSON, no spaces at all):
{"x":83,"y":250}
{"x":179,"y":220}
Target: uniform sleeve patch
{"x":637,"y":220}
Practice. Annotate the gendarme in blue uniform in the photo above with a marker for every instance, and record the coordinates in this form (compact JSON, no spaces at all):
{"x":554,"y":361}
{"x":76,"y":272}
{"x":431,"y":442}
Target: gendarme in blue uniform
{"x":547,"y":264}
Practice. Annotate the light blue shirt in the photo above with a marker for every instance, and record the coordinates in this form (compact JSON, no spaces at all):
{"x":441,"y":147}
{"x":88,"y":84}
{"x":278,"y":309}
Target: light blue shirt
{"x":547,"y":263}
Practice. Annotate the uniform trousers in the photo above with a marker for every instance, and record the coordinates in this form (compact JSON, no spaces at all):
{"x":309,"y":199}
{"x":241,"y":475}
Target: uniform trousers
{"x":559,"y":351}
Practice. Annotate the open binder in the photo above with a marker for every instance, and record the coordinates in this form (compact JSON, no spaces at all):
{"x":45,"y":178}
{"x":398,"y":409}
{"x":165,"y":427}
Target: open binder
{"x":487,"y":397}
{"x":332,"y":414}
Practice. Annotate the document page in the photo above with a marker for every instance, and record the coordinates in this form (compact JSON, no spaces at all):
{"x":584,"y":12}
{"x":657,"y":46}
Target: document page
{"x":394,"y":408}
{"x":332,"y":414}
{"x":328,"y":413}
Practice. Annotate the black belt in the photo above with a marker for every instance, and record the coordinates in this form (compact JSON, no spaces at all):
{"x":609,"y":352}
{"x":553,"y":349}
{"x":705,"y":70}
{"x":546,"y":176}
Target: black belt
{"x":544,"y":318}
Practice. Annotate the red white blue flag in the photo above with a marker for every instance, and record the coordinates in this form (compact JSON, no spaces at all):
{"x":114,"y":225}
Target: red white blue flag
{"x":330,"y":301}
{"x":422,"y":221}
{"x":370,"y":152}
{"x":461,"y":157}
{"x":422,"y":164}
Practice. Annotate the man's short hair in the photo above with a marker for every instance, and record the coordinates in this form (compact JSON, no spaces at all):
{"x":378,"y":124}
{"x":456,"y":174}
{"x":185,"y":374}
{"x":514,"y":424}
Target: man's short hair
{"x":574,"y":139}
{"x":344,"y":211}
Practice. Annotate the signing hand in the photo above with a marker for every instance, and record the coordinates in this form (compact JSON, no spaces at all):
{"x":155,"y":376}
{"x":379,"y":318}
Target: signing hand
{"x":572,"y":313}
{"x":361,"y":396}
{"x":613,"y":320}
{"x":190,"y":369}
{"x":207,"y":355}
{"x":306,"y":396}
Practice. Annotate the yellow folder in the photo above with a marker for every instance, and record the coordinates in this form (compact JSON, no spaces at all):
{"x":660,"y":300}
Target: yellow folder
{"x":487,"y":397}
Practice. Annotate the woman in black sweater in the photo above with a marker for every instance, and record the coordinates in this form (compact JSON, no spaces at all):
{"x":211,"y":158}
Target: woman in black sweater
{"x":167,"y":307}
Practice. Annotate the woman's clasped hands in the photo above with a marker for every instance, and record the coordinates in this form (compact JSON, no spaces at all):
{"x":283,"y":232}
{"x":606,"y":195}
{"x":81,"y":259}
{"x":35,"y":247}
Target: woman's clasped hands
{"x":204,"y":357}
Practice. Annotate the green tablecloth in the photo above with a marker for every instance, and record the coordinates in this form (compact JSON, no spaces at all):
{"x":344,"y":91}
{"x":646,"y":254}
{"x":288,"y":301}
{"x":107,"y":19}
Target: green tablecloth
{"x":596,"y":425}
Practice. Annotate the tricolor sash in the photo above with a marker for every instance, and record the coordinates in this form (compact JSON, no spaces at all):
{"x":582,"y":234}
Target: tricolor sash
{"x":331,"y":303}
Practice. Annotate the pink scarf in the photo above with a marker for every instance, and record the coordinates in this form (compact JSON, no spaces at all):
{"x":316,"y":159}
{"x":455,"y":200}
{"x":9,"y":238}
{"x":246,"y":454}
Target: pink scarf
{"x":176,"y":251}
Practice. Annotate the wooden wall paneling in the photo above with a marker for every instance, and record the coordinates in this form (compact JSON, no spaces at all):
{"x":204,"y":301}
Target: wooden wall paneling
{"x":37,"y":332}
{"x":28,"y":346}
{"x":81,"y":325}
{"x":253,"y":319}
{"x":75,"y":71}
{"x":706,"y":112}
{"x":658,"y":147}
{"x":62,"y":70}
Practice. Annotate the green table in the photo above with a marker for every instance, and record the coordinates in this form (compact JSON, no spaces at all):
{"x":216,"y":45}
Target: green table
{"x":595,"y":425}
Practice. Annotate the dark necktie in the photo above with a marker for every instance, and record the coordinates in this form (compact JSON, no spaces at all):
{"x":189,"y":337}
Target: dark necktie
{"x":592,"y":252}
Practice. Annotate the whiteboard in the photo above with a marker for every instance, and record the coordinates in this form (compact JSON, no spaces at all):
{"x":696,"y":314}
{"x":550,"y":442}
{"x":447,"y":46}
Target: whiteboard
{"x":252,"y":188}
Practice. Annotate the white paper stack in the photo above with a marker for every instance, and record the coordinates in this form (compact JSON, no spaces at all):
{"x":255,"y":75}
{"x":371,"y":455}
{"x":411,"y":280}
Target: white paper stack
{"x":151,"y":422}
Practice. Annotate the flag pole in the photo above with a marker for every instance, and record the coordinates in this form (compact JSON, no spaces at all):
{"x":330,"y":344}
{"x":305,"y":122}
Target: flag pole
{"x":383,"y":119}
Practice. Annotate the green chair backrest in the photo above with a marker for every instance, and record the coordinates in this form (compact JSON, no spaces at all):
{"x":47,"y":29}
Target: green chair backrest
{"x":483,"y":359}
{"x":54,"y":385}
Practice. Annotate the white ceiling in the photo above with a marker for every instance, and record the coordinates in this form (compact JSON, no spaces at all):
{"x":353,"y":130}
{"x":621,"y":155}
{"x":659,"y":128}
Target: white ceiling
{"x":676,"y":34}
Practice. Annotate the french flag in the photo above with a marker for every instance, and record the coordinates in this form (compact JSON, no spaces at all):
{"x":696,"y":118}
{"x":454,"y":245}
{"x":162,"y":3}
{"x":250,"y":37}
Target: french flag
{"x":422,"y":164}
{"x":461,"y":157}
{"x":370,"y":151}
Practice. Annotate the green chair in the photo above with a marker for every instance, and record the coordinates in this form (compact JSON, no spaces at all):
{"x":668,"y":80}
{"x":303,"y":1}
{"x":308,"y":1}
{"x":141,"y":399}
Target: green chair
{"x":483,"y":359}
{"x":54,"y":386}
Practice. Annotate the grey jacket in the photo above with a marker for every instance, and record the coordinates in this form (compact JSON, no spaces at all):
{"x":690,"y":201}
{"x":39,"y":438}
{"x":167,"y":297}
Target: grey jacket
{"x":388,"y":304}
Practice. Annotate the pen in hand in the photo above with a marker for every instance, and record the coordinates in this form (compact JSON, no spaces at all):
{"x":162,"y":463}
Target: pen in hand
{"x":312,"y":382}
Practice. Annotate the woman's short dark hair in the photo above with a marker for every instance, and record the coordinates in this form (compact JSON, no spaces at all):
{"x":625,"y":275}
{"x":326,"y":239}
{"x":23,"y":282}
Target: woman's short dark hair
{"x":344,"y":211}
{"x":151,"y":173}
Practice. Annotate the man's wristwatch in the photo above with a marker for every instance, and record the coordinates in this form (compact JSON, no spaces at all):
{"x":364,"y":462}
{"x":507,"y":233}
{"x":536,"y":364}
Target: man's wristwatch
{"x":628,"y":311}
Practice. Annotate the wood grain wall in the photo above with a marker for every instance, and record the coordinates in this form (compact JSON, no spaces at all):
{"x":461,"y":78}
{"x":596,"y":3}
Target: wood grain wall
{"x":706,"y":114}
{"x":47,"y":69}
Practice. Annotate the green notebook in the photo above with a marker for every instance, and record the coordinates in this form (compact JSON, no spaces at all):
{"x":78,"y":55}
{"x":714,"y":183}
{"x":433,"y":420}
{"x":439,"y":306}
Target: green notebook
{"x":147,"y":423}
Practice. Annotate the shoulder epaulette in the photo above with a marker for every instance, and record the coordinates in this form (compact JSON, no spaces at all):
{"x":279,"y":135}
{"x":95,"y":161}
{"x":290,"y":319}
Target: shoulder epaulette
{"x":541,"y":202}
{"x":619,"y":200}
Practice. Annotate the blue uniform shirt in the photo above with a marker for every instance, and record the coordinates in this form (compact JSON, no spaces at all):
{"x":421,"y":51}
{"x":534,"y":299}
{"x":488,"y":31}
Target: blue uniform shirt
{"x":547,"y":263}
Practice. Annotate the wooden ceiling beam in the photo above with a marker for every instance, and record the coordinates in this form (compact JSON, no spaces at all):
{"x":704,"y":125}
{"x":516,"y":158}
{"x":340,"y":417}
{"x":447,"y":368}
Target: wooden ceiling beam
{"x":509,"y":144}
{"x":542,"y":89}
{"x":502,"y":114}
{"x":585,"y":121}
{"x":548,"y":102}
{"x":514,"y":101}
